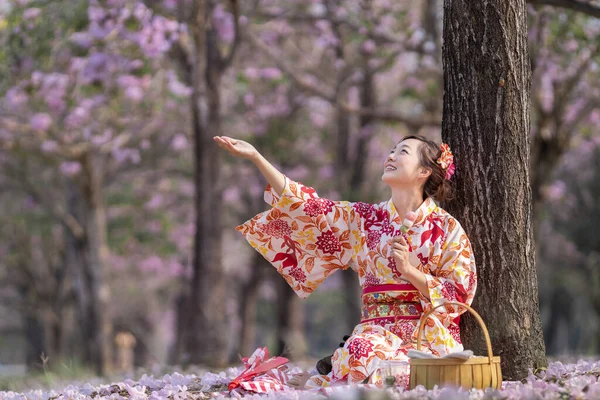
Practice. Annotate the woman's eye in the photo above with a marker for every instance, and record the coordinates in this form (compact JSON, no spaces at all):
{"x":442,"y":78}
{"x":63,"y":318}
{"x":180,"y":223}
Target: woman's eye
{"x":404,"y":151}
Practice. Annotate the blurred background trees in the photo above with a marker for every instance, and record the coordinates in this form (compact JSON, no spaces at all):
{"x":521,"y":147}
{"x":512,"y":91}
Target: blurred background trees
{"x":118,"y":213}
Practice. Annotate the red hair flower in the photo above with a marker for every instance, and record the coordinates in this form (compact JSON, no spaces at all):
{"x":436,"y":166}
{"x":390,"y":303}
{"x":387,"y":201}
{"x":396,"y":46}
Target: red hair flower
{"x":446,"y":161}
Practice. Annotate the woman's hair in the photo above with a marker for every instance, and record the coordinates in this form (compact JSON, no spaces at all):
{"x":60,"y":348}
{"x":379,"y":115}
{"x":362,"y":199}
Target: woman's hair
{"x":437,"y":186}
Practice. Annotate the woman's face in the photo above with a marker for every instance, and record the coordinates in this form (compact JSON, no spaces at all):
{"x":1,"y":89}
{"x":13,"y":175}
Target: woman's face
{"x":403,"y":166}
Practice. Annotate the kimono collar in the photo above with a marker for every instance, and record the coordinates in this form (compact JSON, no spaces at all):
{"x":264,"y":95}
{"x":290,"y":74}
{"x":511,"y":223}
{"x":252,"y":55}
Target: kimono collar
{"x":426,"y":208}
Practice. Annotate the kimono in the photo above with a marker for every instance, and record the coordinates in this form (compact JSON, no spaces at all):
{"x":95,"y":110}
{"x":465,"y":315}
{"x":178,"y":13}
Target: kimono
{"x":307,"y":238}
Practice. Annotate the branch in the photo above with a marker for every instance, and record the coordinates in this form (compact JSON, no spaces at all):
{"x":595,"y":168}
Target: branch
{"x":183,"y":63}
{"x":329,"y":94}
{"x":591,"y":105}
{"x":304,"y":82}
{"x":393,"y":116}
{"x":226,"y":60}
{"x":571,"y":81}
{"x":377,"y":37}
{"x":585,"y":7}
{"x":67,"y":219}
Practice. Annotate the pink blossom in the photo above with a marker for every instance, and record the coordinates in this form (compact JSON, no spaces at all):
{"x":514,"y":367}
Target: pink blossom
{"x":36,"y":78}
{"x":16,"y":98}
{"x":141,"y":12}
{"x":126,"y":81}
{"x":417,"y":37}
{"x":231,"y":195}
{"x":178,"y":88}
{"x":99,"y":140}
{"x":271,"y":73}
{"x":82,"y":39}
{"x":249,"y":99}
{"x":31,"y":13}
{"x":134,"y":93}
{"x":175,"y":268}
{"x":252,"y":73}
{"x":151,"y":264}
{"x":179,"y":142}
{"x":223,"y":22}
{"x":339,"y":64}
{"x":318,"y":119}
{"x":136,"y":64}
{"x":96,"y":13}
{"x":155,"y":202}
{"x":326,"y":172}
{"x":49,"y":146}
{"x":556,"y":190}
{"x":187,"y":188}
{"x":41,"y":122}
{"x":70,"y":168}
{"x":123,"y":155}
{"x":77,"y":117}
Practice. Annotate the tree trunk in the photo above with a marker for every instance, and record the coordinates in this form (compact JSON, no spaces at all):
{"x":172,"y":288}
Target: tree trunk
{"x":207,"y":325}
{"x":74,"y":256}
{"x":36,"y":340}
{"x":178,"y":347}
{"x":351,"y":185}
{"x":342,"y":156}
{"x":486,"y":123}
{"x":291,"y":341}
{"x":248,"y":301}
{"x":97,"y":254}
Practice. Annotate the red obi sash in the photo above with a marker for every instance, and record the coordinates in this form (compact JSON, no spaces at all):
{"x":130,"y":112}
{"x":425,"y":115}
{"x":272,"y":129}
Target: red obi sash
{"x":390,"y":303}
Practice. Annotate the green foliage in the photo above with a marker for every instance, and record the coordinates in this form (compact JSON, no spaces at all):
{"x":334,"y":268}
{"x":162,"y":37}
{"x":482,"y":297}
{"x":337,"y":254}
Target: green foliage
{"x":52,"y":374}
{"x":40,"y":39}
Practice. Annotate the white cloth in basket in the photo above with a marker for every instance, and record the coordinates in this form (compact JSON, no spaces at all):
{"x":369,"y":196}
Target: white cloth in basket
{"x":463,"y":355}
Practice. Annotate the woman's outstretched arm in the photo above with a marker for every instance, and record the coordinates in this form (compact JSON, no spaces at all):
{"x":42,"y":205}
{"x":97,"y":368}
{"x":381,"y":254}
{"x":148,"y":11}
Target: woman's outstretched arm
{"x":240,"y":148}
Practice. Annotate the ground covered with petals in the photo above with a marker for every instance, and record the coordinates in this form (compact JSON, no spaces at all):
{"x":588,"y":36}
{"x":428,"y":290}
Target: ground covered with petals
{"x":579,"y":380}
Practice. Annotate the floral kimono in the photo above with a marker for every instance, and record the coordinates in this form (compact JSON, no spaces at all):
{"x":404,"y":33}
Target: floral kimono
{"x":306,"y":238}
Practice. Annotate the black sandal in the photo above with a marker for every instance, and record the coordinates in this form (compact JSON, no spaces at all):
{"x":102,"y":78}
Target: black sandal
{"x":324,"y":365}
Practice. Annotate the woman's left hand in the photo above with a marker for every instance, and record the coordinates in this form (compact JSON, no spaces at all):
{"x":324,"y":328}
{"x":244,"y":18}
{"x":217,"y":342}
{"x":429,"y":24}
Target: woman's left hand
{"x":400,"y":253}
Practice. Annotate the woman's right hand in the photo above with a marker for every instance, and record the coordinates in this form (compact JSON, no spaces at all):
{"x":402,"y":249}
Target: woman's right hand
{"x":236,"y":147}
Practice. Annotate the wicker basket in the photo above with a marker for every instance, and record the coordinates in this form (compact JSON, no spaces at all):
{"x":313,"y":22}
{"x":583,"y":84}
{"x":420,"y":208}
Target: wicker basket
{"x":476,"y":372}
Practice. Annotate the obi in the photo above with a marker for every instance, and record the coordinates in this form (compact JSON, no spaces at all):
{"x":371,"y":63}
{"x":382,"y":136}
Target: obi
{"x":390,"y":303}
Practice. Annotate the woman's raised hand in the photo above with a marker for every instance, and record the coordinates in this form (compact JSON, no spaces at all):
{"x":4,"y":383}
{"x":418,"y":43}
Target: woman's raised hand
{"x":236,"y":147}
{"x":239,"y":148}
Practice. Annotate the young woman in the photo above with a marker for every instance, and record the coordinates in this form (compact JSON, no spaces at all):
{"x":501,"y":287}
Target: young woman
{"x":404,"y":273}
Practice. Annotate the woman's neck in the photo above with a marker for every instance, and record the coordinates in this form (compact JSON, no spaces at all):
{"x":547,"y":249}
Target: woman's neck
{"x":406,"y":201}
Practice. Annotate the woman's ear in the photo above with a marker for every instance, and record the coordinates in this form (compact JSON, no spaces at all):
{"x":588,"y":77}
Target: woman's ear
{"x":425,"y":172}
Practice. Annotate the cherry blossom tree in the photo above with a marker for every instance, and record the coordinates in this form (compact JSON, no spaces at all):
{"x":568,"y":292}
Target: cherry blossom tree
{"x":87,"y":111}
{"x":486,"y":116}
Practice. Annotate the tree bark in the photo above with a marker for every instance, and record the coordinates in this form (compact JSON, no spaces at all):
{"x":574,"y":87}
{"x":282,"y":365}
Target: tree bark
{"x":36,"y":340}
{"x":75,"y":260}
{"x":97,"y":257}
{"x":342,"y":157}
{"x":486,"y":122}
{"x":206,"y":312}
{"x":351,"y":184}
{"x":291,"y":341}
{"x":248,"y":305}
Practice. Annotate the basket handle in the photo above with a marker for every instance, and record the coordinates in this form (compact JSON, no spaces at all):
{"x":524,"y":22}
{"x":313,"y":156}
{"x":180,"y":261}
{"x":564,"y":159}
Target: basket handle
{"x":477,"y":317}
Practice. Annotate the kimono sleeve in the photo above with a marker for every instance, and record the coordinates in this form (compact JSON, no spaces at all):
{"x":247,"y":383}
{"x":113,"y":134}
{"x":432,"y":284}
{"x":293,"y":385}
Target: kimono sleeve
{"x":305,"y":237}
{"x":454,"y":279}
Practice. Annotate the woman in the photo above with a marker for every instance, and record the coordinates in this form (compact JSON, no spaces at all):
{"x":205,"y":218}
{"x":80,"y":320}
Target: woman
{"x":404,"y":273}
